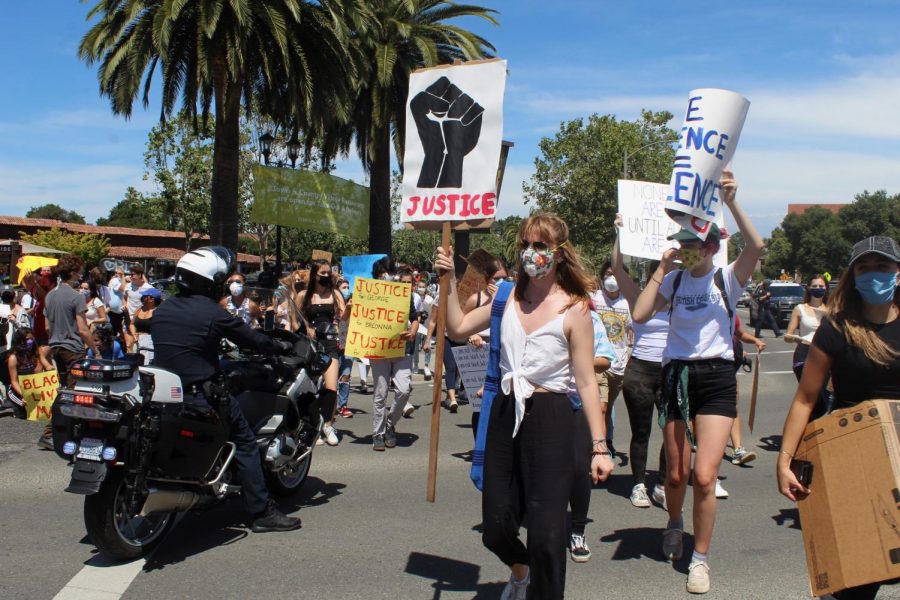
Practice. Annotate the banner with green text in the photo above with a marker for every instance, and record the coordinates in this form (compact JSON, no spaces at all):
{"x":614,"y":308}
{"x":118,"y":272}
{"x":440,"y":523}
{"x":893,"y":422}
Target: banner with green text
{"x":309,"y":200}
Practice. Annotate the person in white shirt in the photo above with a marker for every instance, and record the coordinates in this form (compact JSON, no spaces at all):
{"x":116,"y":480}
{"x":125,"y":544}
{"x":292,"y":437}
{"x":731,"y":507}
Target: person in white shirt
{"x":615,"y":314}
{"x":699,"y":397}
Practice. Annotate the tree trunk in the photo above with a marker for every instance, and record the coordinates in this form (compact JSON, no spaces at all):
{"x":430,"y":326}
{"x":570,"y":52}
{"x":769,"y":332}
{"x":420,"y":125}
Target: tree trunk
{"x":223,"y":218}
{"x":380,"y":193}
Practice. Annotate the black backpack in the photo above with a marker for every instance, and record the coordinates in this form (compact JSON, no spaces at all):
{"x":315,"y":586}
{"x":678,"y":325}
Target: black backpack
{"x":719,"y":279}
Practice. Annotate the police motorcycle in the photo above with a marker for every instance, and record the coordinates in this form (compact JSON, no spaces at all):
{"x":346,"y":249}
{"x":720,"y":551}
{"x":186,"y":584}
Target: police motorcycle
{"x":140,"y":455}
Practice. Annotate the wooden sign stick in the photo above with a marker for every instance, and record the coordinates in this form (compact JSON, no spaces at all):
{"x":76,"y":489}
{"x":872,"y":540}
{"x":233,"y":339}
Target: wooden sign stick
{"x":438,"y":370}
{"x":753,"y":393}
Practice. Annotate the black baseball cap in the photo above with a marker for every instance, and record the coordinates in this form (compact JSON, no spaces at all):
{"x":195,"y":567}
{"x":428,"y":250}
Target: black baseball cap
{"x":877,"y":244}
{"x":686,"y":235}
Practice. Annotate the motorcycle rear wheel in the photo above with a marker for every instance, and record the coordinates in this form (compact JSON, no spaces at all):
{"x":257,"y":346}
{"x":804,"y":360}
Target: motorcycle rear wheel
{"x":288,"y":481}
{"x":116,"y":533}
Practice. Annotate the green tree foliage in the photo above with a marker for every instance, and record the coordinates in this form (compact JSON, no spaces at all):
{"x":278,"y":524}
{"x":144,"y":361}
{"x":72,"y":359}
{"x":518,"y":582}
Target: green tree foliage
{"x":286,"y":57}
{"x":395,"y":38}
{"x":871,"y":214}
{"x":736,"y":243}
{"x":135,"y":210}
{"x":54,"y":211}
{"x":576,"y":175}
{"x":92,"y":248}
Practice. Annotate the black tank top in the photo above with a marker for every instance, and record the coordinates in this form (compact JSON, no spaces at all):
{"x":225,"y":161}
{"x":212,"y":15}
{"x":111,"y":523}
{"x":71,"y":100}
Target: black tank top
{"x":142,"y":325}
{"x":320,"y":313}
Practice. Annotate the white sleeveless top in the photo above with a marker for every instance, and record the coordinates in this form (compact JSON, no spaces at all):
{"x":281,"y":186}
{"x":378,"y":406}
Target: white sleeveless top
{"x":526,"y":361}
{"x":809,"y":322}
{"x":650,"y":337}
{"x":242,"y":311}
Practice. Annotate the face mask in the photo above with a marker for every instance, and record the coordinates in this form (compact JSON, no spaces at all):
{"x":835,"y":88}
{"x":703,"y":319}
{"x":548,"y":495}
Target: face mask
{"x":421,"y":291}
{"x":346,"y":294}
{"x":29,"y":345}
{"x":325,"y":280}
{"x":611,"y":285}
{"x":236,"y":288}
{"x":299,"y":286}
{"x":497,"y":281}
{"x":85,"y":293}
{"x":537,"y":264}
{"x":690,"y":258}
{"x":876,"y":288}
{"x":816,"y":292}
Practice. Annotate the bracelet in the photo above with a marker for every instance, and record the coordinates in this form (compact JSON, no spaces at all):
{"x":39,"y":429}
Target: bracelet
{"x":653,"y":279}
{"x":598,"y":442}
{"x":596,"y":453}
{"x":788,"y":453}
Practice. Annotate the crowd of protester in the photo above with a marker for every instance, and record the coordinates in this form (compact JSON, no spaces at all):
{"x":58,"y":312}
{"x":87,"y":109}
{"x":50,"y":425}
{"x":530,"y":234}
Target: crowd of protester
{"x":563,"y":343}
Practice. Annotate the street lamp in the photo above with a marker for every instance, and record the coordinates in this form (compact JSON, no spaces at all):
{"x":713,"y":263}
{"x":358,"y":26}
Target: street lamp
{"x":626,"y":154}
{"x":265,"y":145}
{"x":293,"y":149}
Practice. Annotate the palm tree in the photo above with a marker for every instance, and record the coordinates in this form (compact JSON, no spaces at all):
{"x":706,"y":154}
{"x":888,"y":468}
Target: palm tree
{"x":286,"y":57}
{"x":397,"y":37}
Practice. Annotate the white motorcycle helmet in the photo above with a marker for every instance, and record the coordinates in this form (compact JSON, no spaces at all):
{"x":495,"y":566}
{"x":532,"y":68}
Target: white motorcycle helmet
{"x":204,"y":271}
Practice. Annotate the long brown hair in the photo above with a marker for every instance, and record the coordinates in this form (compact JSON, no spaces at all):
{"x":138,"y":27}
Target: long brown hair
{"x":313,"y":282}
{"x":571,"y":275}
{"x":806,"y":290}
{"x":845,"y":311}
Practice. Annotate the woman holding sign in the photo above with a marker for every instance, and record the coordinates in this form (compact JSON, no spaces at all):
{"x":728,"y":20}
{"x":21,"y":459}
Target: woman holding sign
{"x":324,"y":308}
{"x":699,"y":394}
{"x":23,"y":359}
{"x":541,"y":337}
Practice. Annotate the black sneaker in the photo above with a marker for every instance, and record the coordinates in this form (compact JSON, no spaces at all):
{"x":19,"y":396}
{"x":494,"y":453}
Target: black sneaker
{"x":390,"y":438}
{"x":45,"y":442}
{"x":273,"y":519}
{"x":378,"y":443}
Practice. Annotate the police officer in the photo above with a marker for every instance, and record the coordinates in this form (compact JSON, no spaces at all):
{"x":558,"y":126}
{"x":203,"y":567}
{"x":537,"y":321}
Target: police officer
{"x":186,"y":331}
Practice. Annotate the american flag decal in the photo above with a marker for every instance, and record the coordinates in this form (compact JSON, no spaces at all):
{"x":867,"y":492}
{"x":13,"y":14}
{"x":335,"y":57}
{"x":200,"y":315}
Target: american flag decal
{"x":175,"y":393}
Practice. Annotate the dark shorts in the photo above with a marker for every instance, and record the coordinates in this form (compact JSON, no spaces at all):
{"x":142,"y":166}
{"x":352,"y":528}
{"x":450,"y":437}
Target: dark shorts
{"x":712,"y":388}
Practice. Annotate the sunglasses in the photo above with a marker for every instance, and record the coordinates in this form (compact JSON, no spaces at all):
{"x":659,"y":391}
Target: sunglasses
{"x":539,"y":246}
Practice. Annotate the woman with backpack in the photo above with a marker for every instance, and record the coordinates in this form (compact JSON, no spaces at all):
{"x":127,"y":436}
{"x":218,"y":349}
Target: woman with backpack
{"x":524,"y":459}
{"x":699,"y":395}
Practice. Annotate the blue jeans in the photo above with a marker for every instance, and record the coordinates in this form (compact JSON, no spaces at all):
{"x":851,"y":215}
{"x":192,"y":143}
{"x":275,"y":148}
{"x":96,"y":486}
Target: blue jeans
{"x":344,"y":368}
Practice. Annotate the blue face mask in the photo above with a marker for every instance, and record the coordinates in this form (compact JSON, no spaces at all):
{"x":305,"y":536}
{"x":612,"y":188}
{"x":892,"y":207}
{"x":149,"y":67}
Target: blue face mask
{"x":346,"y":294}
{"x":876,"y":287}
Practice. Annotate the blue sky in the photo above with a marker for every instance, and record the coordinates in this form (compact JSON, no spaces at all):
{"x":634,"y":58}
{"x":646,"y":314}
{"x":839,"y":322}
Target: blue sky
{"x":823,"y":79}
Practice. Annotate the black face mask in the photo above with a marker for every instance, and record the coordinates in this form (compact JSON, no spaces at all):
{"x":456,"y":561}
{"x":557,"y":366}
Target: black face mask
{"x":299,"y":286}
{"x":325,"y":281}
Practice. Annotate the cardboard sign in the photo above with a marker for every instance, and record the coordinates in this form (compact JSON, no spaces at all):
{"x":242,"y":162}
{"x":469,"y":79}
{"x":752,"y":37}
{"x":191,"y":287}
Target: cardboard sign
{"x":380,"y":313}
{"x":471,"y":283}
{"x":322,"y":255}
{"x":359,"y":266}
{"x":709,"y":137}
{"x":472,"y":365}
{"x":646,"y":224}
{"x":754,"y":393}
{"x":39,"y":392}
{"x":454,"y":132}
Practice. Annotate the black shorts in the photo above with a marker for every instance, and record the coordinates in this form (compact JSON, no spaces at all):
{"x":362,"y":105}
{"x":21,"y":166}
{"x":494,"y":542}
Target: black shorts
{"x":712,"y":388}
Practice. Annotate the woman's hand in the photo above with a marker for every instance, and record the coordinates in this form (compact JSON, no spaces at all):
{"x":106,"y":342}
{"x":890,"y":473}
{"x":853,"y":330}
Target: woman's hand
{"x":310,"y":332}
{"x":667,"y":262}
{"x":729,"y":187}
{"x":492,"y":289}
{"x":601,"y":467}
{"x":760,"y":345}
{"x":476,"y":340}
{"x":788,"y":485}
{"x":443,"y":263}
{"x":427,"y":345}
{"x":619,"y":222}
{"x":792,"y":338}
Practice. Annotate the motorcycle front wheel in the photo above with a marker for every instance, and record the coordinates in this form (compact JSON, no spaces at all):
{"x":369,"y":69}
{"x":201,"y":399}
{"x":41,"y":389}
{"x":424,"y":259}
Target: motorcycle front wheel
{"x":113,"y":530}
{"x":288,"y":480}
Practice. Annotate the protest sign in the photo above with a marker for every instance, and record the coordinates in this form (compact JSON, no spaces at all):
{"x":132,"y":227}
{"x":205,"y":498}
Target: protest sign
{"x":709,"y":137}
{"x":322,"y":255}
{"x":39,"y":392}
{"x":645,"y":224}
{"x":472,"y":365}
{"x":471,"y":283}
{"x":454,"y":131}
{"x":380,"y":313}
{"x":359,"y":266}
{"x":307,"y":200}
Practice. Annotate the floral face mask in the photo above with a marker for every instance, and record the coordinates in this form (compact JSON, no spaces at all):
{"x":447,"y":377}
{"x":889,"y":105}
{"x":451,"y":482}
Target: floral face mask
{"x":538,"y":263}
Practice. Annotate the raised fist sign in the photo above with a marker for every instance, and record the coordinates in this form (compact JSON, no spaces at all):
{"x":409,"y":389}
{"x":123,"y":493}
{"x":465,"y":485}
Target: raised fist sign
{"x":449,"y":124}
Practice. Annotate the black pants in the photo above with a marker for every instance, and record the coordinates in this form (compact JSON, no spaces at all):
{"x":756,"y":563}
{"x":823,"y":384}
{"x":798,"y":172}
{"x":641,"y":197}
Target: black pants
{"x":765,"y":318}
{"x":531,"y":473}
{"x":580,"y":498}
{"x":826,"y":398}
{"x":642,"y":388}
{"x":246,"y":456}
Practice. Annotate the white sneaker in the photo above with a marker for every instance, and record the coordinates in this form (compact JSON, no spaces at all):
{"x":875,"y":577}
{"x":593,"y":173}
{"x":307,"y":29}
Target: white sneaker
{"x":639,"y":496}
{"x":698,"y":577}
{"x":659,"y":496}
{"x":720,"y":491}
{"x":742,"y":456}
{"x":578,"y":548}
{"x":408,"y":410}
{"x":516,"y":590}
{"x":330,"y":436}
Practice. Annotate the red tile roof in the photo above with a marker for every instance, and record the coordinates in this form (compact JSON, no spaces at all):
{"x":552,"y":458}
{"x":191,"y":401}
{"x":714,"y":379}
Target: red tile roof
{"x":799,"y":209}
{"x":77,"y":228}
{"x":165,"y":254}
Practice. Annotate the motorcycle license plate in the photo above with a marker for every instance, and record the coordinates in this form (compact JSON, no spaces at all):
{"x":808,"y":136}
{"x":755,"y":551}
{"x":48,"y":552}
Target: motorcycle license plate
{"x":90,"y":449}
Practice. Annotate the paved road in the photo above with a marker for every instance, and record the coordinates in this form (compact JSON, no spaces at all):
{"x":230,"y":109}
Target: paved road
{"x":368,"y":532}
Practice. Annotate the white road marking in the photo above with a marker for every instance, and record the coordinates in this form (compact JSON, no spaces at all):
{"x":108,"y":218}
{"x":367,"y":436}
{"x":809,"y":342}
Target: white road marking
{"x":101,"y":579}
{"x":768,"y":373}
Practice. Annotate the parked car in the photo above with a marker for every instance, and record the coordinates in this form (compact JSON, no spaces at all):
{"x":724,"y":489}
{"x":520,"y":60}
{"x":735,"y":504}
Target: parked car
{"x":785,"y":296}
{"x":744,"y":300}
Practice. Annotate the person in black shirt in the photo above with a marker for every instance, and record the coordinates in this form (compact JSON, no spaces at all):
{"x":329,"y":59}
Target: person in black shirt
{"x":859,"y":342}
{"x":186,"y":331}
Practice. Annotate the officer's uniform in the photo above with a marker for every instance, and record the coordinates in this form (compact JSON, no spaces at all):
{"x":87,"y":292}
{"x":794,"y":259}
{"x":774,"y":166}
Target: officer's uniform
{"x":186,"y":332}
